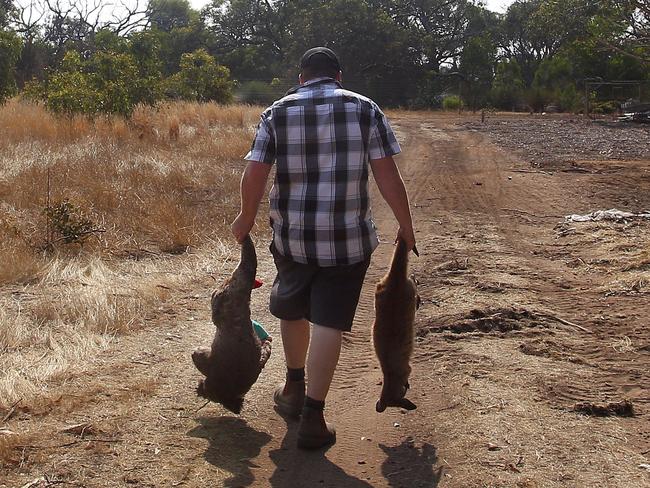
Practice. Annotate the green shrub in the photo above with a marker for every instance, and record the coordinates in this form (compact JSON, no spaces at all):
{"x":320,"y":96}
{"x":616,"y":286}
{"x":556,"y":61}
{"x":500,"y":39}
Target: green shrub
{"x":568,"y":99}
{"x":200,"y":79}
{"x":71,"y":92}
{"x":69,"y":222}
{"x":508,"y":86}
{"x":606,"y":107}
{"x":107,"y":82}
{"x":452,"y":102}
{"x":259,"y":92}
{"x":537,"y":99}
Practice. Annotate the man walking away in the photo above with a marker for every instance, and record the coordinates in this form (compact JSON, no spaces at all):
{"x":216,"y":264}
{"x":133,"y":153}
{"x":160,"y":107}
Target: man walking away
{"x":322,"y":139}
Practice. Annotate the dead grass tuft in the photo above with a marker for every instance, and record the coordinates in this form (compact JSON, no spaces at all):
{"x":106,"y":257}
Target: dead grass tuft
{"x":19,"y":264}
{"x":640,"y":262}
{"x":14,"y":448}
{"x":51,"y":328}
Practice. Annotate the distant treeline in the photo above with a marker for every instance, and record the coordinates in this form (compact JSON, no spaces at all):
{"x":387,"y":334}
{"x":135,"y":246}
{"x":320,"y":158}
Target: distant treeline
{"x":90,"y":57}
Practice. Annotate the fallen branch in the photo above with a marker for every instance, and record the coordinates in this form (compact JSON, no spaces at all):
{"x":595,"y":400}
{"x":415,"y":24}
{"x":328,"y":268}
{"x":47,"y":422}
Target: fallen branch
{"x":43,"y":479}
{"x":11,"y":411}
{"x":515,"y":210}
{"x":80,"y":235}
{"x":68,"y":444}
{"x":450,"y":407}
{"x":563,"y":321}
{"x":202,"y":407}
{"x":530,"y":171}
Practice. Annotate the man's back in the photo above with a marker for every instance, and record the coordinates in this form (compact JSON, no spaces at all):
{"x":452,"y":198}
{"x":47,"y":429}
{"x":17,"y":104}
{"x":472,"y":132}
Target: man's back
{"x":322,"y":138}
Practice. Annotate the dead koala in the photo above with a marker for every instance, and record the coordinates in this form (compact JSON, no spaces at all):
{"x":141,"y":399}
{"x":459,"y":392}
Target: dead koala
{"x":233,"y":363}
{"x":396,"y":301}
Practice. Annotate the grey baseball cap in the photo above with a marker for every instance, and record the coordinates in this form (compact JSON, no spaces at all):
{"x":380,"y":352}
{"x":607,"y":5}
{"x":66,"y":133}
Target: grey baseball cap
{"x":319,"y":58}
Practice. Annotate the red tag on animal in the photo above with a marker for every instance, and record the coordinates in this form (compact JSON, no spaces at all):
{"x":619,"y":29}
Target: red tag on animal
{"x":257,"y":283}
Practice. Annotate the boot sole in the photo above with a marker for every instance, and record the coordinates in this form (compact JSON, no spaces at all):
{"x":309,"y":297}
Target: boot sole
{"x":312,"y":443}
{"x":288,"y":410}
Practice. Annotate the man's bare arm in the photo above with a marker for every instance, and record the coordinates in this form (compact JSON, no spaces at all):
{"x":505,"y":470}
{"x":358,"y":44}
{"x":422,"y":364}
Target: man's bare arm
{"x":391,"y":187}
{"x":252,"y":187}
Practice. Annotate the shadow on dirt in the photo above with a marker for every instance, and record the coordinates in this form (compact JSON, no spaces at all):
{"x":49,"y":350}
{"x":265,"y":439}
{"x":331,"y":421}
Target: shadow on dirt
{"x":232,"y":443}
{"x":295,"y":468}
{"x":407,"y":465}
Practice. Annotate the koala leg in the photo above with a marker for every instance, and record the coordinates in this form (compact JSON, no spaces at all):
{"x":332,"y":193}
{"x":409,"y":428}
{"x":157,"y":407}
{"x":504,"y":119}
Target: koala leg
{"x":266,"y":353}
{"x":201,"y":356}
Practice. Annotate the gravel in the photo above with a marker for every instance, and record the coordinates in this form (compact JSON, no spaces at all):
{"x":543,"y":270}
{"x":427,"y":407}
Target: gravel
{"x":552,"y":141}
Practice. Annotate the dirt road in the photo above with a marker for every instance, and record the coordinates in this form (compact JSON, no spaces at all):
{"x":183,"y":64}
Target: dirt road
{"x":499,"y":363}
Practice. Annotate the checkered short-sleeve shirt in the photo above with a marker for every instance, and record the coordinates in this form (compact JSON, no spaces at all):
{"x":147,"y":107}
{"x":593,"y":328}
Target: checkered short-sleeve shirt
{"x":322,"y":138}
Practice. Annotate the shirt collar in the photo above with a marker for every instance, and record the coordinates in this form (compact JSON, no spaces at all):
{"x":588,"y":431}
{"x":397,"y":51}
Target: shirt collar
{"x":320,"y":81}
{"x":323,"y":81}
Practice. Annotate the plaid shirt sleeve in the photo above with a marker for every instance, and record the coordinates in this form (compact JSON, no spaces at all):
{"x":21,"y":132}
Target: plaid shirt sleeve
{"x":382,"y":139}
{"x":263,"y":148}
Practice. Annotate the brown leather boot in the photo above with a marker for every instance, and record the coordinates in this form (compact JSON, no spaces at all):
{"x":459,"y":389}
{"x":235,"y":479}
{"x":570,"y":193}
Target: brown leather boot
{"x":290,"y":397}
{"x":314,"y":432}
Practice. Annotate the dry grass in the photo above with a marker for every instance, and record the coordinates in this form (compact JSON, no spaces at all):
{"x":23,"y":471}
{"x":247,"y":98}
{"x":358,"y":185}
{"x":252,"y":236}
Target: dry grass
{"x":148,"y":193}
{"x":157,"y":184}
{"x":640,"y":262}
{"x":51,"y":328}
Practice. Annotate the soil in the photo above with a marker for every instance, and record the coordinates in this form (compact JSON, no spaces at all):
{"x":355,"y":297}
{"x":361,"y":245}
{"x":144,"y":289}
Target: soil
{"x":522,"y":321}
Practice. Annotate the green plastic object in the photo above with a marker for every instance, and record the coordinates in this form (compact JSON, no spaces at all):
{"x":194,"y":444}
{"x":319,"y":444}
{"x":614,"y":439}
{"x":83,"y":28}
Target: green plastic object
{"x":259,"y":330}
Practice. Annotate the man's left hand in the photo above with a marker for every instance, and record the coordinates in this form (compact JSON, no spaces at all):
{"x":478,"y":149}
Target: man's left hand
{"x":241,"y":227}
{"x":407,"y":234}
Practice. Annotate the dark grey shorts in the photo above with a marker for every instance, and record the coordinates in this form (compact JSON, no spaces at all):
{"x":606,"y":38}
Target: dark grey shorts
{"x":326,"y":296}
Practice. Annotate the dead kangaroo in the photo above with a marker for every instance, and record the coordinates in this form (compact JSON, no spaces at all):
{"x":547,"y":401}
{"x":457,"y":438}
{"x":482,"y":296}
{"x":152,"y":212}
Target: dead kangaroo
{"x":237,"y":355}
{"x":396,"y":300}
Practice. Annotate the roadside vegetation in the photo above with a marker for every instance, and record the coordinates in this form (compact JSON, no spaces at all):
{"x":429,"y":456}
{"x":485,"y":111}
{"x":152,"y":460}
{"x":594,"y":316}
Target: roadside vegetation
{"x":93,"y":215}
{"x":77,"y":57}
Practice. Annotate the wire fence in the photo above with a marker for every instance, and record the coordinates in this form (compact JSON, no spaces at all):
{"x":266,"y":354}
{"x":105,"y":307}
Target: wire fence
{"x":616,"y":96}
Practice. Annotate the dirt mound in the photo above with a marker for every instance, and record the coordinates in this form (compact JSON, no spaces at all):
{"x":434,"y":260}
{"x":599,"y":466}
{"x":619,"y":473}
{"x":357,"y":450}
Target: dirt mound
{"x":483,"y":321}
{"x":623,"y":408}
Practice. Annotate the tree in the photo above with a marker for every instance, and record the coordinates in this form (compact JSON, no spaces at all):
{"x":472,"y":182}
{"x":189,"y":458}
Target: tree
{"x":478,"y":58}
{"x":6,"y":11}
{"x":63,"y":25}
{"x":253,"y":35}
{"x":508,"y":87}
{"x":167,"y":15}
{"x":201,"y":79}
{"x":10,"y":46}
{"x":145,"y":48}
{"x":555,"y":82}
{"x":623,"y":27}
{"x":387,"y":70}
{"x":178,"y":41}
{"x":69,"y":90}
{"x":438,"y":28}
{"x":179,"y":29}
{"x":535,"y":30}
{"x":265,"y":39}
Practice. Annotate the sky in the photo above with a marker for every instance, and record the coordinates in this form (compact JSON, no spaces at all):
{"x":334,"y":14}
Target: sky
{"x":496,"y":5}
